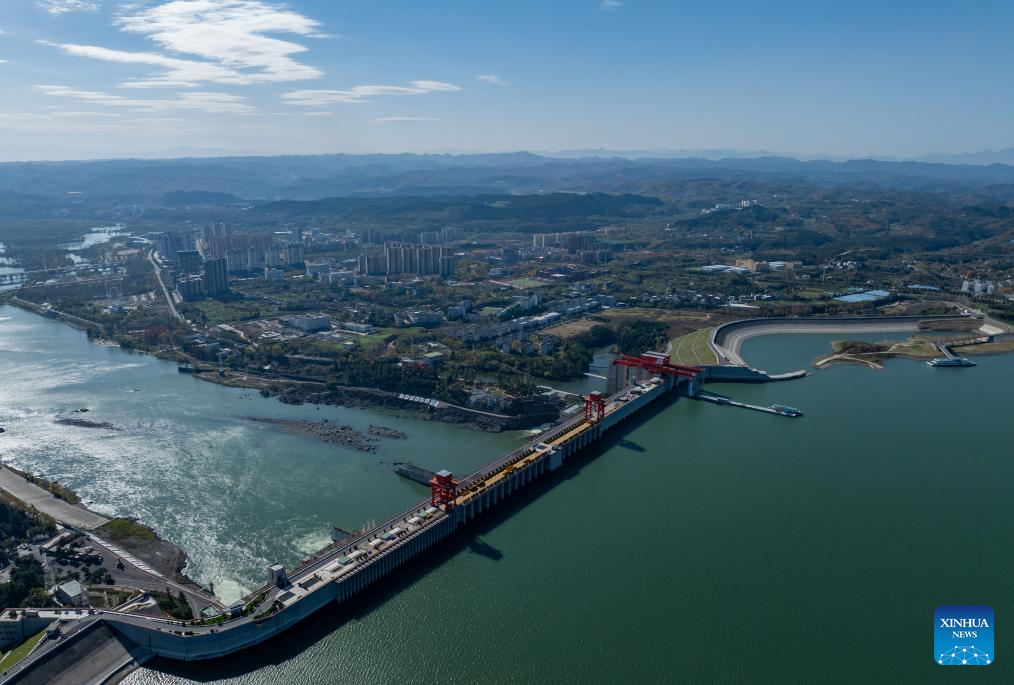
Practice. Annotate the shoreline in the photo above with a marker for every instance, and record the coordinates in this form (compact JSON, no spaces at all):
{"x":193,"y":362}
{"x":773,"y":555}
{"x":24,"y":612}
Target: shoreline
{"x":294,"y":390}
{"x":154,"y":561}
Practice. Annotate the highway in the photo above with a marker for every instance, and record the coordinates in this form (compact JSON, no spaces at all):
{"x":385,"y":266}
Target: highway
{"x":161,"y":284}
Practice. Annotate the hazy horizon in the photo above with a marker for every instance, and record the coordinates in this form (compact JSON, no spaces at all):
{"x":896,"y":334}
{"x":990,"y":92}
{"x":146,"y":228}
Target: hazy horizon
{"x":1003,"y":156}
{"x":103,"y":79}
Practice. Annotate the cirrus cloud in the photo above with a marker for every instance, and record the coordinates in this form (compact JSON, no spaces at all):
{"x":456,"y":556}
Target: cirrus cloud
{"x":403,"y":120}
{"x":58,"y":7}
{"x":215,"y":103}
{"x":360,"y":94}
{"x":492,"y":78}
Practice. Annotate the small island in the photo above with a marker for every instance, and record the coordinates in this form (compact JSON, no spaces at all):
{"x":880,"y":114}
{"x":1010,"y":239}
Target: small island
{"x":875,"y":354}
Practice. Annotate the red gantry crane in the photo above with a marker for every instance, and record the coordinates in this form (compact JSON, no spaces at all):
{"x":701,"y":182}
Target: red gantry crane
{"x":657,"y":363}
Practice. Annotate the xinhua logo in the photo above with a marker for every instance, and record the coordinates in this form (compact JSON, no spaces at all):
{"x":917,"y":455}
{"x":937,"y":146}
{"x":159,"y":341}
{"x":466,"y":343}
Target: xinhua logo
{"x":963,"y":635}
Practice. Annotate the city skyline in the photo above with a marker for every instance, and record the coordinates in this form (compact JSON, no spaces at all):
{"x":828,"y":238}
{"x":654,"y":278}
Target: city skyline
{"x":100,"y":78}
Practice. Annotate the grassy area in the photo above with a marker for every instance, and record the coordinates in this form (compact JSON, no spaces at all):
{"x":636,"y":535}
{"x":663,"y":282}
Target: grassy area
{"x":14,"y":656}
{"x":127,"y":529}
{"x":527,"y":283}
{"x":173,"y":605}
{"x":572,"y":328}
{"x":224,"y":312}
{"x":986,"y":348}
{"x":97,"y":598}
{"x":376,"y":338}
{"x":692,"y":349}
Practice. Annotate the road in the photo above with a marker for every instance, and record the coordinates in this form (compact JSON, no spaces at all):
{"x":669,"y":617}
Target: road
{"x":165,"y":291}
{"x":138,"y":573}
{"x":47,"y":503}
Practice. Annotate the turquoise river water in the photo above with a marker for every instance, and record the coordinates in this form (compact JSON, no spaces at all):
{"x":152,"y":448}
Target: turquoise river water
{"x":700,"y":544}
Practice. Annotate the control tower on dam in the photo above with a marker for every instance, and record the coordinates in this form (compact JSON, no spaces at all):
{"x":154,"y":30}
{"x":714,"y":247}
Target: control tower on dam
{"x":342,"y":572}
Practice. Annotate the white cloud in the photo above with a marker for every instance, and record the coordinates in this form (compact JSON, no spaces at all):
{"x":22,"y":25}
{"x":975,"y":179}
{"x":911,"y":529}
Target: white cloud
{"x":492,"y":78}
{"x":85,"y":114}
{"x":58,"y":7}
{"x":358,"y":94}
{"x":3,"y":61}
{"x":216,"y":103}
{"x":403,"y":120}
{"x":157,"y":120}
{"x":22,"y":116}
{"x":607,"y":5}
{"x":179,"y":72}
{"x":217,"y":41}
{"x":435,"y":85}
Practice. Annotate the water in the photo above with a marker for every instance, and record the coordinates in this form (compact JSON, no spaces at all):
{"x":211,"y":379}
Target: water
{"x":237,"y":495}
{"x":8,"y":267}
{"x":705,"y":544}
{"x":95,"y":236}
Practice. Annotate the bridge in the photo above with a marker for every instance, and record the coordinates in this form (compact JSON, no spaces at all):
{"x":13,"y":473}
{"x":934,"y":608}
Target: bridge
{"x":345,"y":568}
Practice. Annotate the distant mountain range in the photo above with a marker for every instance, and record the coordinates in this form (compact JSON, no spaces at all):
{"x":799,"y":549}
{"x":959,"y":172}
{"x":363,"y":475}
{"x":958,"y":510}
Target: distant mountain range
{"x":982,"y":157}
{"x":174,"y":183}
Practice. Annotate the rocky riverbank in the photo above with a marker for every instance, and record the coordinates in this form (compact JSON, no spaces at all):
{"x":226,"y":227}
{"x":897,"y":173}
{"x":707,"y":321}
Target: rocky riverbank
{"x":85,"y":423}
{"x":338,"y":434}
{"x":385,"y":432}
{"x":535,"y":413}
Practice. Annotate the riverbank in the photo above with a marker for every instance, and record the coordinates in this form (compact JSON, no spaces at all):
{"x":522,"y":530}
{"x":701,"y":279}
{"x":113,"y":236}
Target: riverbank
{"x":433,"y":410}
{"x":63,"y":505}
{"x":63,"y":509}
{"x":306,"y":391}
{"x":300,"y":390}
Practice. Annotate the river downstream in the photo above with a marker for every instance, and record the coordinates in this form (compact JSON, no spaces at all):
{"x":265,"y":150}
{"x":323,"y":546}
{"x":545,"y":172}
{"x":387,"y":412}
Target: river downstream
{"x":236,"y":494}
{"x":704,"y":544}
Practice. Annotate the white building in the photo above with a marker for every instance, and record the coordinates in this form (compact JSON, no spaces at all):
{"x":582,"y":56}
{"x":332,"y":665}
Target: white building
{"x":317,"y":269}
{"x":311,"y":324}
{"x":70,"y":594}
{"x":977,"y":287}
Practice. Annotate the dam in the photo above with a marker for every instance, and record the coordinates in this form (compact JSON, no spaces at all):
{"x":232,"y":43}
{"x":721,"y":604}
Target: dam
{"x":339,"y":572}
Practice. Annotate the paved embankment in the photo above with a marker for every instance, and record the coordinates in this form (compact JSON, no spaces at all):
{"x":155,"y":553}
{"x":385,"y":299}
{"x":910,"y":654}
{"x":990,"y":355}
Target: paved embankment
{"x":727,"y":340}
{"x":47,"y":503}
{"x":95,"y":654}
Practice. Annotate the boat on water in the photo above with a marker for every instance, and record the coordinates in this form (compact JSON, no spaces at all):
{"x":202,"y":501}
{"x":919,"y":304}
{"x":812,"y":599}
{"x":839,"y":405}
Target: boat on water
{"x":950,"y":361}
{"x":186,"y":369}
{"x":785,"y":411}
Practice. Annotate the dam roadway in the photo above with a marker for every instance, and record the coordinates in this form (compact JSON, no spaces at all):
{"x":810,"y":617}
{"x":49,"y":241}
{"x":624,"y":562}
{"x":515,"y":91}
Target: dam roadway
{"x":344,"y":569}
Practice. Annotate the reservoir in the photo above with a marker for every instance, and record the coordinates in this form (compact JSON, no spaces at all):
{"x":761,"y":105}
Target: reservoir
{"x":701,"y":544}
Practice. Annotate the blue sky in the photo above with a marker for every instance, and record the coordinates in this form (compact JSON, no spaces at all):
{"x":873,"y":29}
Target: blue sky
{"x":111,"y":78}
